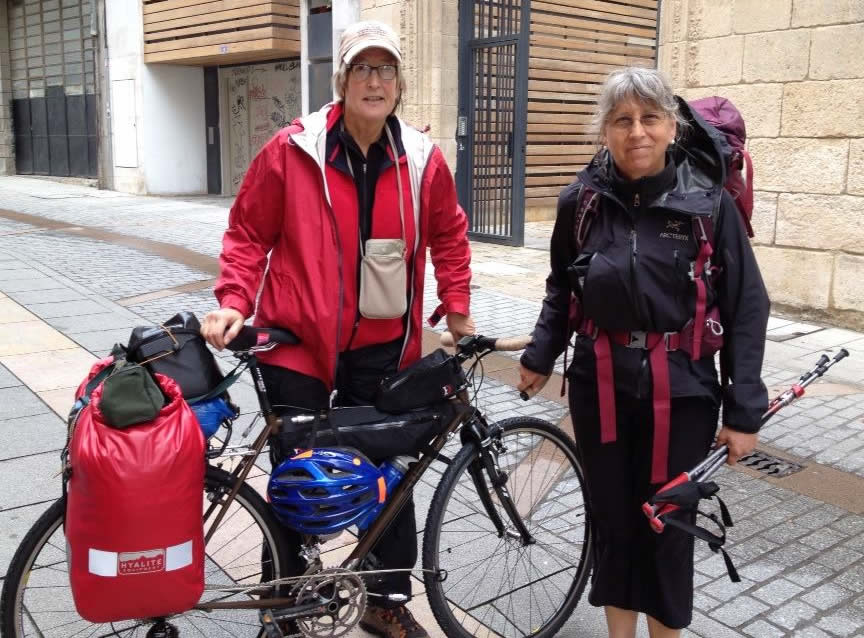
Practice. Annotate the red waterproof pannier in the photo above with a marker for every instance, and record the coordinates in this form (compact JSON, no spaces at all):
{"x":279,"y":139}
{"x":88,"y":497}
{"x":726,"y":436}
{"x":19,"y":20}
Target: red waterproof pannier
{"x":133,"y":514}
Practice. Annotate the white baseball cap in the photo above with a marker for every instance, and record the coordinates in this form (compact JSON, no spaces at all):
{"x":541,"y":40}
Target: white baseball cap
{"x":367,"y":34}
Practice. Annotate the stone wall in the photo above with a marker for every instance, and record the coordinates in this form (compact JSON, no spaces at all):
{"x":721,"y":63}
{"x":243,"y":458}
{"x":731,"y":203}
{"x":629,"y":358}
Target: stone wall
{"x":795,"y":68}
{"x":7,"y":144}
{"x":429,"y":31}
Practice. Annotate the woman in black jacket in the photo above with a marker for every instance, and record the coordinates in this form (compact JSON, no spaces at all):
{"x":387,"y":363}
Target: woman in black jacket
{"x":647,"y":248}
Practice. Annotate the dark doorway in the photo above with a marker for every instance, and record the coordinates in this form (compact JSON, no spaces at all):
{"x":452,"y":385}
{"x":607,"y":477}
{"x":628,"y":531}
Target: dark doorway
{"x":211,"y":119}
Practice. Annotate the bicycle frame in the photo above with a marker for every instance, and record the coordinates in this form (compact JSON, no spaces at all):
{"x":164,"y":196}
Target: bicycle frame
{"x":477,"y":430}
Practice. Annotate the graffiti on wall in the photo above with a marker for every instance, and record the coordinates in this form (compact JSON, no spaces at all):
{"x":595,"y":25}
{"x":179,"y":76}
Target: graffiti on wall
{"x":262,"y":99}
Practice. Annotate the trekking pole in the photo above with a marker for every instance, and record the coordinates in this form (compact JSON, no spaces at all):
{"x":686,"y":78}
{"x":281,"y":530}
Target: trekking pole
{"x":717,"y":458}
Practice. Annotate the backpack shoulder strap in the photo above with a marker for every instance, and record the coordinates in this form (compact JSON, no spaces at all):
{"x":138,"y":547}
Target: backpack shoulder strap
{"x":587,"y":205}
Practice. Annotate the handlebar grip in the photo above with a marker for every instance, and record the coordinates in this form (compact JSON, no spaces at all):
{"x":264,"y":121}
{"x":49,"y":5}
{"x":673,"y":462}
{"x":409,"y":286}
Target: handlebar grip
{"x":524,"y":395}
{"x":245,"y":339}
{"x":841,"y":355}
{"x":250,"y":336}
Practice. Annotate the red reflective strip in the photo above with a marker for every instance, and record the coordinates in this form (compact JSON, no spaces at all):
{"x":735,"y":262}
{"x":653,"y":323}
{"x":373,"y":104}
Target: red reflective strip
{"x":662,"y":409}
{"x":605,"y":388}
{"x":382,"y":489}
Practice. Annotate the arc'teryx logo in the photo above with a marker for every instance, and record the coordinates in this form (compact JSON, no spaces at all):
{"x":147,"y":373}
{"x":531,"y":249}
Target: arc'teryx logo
{"x":673,"y":230}
{"x":141,"y":562}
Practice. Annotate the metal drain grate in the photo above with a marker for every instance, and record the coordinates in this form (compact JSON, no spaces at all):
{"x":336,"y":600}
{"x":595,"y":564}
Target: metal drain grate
{"x":770,"y":465}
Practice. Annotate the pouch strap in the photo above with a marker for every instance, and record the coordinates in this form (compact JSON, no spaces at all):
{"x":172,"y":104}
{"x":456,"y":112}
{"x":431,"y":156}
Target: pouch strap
{"x":395,"y":152}
{"x":226,"y":383}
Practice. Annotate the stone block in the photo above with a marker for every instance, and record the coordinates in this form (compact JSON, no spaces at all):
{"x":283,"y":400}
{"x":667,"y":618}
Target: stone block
{"x":848,"y":292}
{"x":764,"y":217}
{"x":760,"y":104}
{"x":751,"y":16}
{"x":778,"y":56}
{"x":799,"y":165}
{"x":672,"y":60}
{"x":809,"y":13}
{"x":715,"y":61}
{"x":855,"y":177}
{"x":824,"y":109}
{"x":836,"y":52}
{"x":708,"y":19}
{"x":825,"y":222}
{"x":783,"y":270}
{"x":673,"y":21}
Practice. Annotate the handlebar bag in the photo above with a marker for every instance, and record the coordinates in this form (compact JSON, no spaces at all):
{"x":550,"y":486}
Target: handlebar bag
{"x":177,"y":350}
{"x":432,"y":379}
{"x":134,"y":536}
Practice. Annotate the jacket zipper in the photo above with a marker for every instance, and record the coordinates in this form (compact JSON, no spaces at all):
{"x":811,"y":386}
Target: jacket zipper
{"x":634,"y":279}
{"x":360,"y":234}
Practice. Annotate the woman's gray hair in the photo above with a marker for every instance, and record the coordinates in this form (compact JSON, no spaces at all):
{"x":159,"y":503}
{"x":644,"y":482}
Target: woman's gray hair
{"x":648,"y":86}
{"x":340,"y":80}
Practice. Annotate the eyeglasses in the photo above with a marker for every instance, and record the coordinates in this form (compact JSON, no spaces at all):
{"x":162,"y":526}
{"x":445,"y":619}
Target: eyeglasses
{"x":362,"y":71}
{"x":648,"y":121}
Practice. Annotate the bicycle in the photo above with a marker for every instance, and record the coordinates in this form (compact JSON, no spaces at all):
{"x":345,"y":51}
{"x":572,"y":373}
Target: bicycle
{"x":505,"y":551}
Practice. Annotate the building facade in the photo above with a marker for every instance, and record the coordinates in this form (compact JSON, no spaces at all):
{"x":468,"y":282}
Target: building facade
{"x":795,"y":69}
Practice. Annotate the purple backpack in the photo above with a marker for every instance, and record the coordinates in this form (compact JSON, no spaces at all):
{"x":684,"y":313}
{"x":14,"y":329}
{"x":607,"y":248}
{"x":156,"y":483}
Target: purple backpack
{"x":728,"y":121}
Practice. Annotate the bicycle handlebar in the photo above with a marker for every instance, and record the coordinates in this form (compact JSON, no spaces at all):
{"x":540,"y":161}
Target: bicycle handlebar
{"x":499,"y":344}
{"x":251,"y":336}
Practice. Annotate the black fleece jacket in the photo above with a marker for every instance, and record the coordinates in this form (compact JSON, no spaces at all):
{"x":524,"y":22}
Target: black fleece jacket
{"x":640,"y":245}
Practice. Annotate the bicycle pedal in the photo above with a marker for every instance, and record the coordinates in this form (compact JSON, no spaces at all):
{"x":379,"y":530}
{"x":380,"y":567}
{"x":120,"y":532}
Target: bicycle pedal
{"x":268,"y":623}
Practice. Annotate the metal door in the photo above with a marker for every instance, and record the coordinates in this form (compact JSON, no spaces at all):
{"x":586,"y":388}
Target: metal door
{"x":493,"y":85}
{"x":54,"y":106}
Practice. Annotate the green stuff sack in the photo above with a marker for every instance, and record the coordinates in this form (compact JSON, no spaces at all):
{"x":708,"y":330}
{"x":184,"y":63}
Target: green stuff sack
{"x":130,"y":395}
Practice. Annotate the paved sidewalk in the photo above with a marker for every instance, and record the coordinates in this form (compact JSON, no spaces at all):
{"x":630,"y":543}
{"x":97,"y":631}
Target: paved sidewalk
{"x":80,"y":267}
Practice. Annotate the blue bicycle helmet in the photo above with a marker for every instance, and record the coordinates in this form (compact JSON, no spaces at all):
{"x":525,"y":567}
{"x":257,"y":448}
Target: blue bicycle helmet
{"x":325,"y":490}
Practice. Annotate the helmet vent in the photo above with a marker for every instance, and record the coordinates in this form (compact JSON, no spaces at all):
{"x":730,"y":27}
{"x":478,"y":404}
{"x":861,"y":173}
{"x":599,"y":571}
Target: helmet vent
{"x":296,"y":474}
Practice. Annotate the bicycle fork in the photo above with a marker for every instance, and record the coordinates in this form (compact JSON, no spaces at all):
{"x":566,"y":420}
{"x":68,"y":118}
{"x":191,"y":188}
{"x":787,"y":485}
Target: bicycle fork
{"x":489,"y":447}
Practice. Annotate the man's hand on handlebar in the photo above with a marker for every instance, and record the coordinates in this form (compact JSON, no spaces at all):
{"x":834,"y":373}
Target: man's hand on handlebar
{"x":459,"y":325}
{"x":221,"y":326}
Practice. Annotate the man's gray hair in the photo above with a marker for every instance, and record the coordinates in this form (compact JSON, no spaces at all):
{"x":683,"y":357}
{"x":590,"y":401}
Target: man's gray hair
{"x":648,"y":86}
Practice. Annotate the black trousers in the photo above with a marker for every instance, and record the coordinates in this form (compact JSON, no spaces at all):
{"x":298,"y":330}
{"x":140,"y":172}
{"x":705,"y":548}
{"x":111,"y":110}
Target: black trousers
{"x":634,"y":567}
{"x":359,"y":373}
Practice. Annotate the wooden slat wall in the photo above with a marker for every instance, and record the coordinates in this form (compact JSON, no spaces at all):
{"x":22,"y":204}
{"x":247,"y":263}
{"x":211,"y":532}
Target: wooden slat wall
{"x":220,"y":31}
{"x":574,"y":45}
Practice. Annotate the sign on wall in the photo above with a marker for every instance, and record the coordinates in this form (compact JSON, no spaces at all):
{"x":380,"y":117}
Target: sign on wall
{"x":262,"y":98}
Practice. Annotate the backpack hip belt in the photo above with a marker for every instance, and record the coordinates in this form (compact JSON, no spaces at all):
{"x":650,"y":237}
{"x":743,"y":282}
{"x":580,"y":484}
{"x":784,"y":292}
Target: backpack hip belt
{"x":658,"y":345}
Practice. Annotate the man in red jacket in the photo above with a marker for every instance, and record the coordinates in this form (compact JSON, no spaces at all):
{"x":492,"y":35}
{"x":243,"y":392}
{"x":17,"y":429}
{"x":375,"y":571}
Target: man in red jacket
{"x":346,"y":201}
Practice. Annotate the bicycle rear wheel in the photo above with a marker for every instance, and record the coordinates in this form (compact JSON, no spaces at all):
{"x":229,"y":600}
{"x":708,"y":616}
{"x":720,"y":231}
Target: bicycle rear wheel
{"x":247,"y":548}
{"x":497,"y":586}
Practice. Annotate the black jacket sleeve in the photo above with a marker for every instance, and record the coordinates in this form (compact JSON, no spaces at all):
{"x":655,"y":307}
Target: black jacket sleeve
{"x":552,"y":331}
{"x":744,"y":308}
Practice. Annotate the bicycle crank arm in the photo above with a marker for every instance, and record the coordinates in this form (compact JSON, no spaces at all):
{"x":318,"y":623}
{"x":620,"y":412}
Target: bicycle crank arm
{"x":266,"y":603}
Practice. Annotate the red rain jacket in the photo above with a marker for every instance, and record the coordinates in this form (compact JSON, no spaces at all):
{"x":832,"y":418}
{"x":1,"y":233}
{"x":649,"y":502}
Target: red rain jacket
{"x":286,"y":205}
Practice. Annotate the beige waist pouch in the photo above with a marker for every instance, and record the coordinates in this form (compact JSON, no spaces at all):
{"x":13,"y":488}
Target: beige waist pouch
{"x":383,"y":279}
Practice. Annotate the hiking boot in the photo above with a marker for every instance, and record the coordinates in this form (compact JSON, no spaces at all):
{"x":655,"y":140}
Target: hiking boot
{"x":392,"y":623}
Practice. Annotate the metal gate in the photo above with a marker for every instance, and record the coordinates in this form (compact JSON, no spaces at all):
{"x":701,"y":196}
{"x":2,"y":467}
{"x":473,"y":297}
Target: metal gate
{"x":493,"y":86}
{"x":54,"y":106}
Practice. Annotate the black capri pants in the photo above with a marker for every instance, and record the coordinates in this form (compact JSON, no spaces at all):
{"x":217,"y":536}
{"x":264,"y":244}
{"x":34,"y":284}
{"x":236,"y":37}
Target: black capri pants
{"x":635,"y":568}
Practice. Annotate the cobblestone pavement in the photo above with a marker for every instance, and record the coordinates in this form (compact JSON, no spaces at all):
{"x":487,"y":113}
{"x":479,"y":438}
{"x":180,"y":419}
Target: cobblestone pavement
{"x":66,"y":295}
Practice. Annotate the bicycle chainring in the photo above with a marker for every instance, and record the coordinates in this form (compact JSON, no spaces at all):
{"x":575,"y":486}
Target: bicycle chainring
{"x":342,"y":595}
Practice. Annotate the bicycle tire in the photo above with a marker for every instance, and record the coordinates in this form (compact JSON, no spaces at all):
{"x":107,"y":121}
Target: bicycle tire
{"x":459,"y":617}
{"x":49,"y":525}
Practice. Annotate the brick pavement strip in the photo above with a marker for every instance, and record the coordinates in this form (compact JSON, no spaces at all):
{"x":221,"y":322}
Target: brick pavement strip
{"x":801,"y":560}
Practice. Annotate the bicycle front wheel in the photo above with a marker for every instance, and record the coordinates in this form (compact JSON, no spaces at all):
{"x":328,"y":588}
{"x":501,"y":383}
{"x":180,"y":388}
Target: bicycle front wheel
{"x":246,"y":549}
{"x":496,"y":585}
